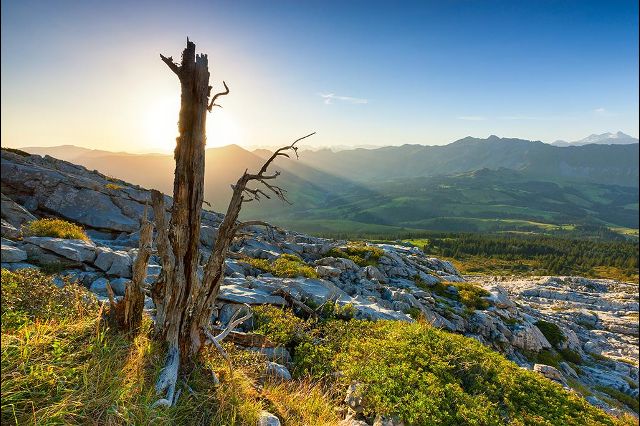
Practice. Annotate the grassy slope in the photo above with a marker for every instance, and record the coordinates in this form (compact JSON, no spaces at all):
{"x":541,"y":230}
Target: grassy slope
{"x":62,"y":364}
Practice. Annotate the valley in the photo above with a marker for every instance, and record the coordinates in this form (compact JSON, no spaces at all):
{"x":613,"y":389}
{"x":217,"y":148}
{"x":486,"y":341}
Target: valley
{"x":471,"y":185}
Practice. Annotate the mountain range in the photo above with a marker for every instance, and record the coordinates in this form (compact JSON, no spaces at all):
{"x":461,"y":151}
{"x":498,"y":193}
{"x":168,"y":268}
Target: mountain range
{"x":492,"y":184}
{"x":608,"y":138}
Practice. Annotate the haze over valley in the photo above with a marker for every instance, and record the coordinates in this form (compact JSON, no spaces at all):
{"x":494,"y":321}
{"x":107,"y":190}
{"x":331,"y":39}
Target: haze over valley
{"x":493,"y":184}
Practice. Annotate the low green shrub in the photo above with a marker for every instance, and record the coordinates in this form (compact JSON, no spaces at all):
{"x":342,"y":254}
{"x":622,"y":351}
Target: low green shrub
{"x":57,"y":228}
{"x":287,"y":265}
{"x":413,"y":312}
{"x":428,"y":376}
{"x":361,"y":253}
{"x":469,"y":294}
{"x":571,"y":356}
{"x":334,"y":310}
{"x":552,"y":332}
{"x":280,"y":325}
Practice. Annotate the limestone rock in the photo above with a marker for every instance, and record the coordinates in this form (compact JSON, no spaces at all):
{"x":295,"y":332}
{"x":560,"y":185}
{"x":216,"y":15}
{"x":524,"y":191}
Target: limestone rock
{"x":550,"y":373}
{"x":277,"y":371}
{"x":529,"y":338}
{"x":112,"y":262}
{"x":268,"y":419}
{"x":77,"y":250}
{"x":99,"y":287}
{"x":13,"y":213}
{"x":12,"y":254}
{"x":373,"y":273}
{"x":327,"y":271}
{"x":119,"y":285}
{"x":387,"y":421}
{"x":354,"y":396}
{"x":9,"y":231}
{"x":208,"y":235}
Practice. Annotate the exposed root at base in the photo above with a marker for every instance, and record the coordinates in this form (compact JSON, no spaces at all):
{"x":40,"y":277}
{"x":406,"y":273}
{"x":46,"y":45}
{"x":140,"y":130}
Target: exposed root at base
{"x":168,"y":379}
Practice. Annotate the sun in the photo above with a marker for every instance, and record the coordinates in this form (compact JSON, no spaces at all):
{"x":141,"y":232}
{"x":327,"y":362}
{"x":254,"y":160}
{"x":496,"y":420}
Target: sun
{"x":161,"y":126}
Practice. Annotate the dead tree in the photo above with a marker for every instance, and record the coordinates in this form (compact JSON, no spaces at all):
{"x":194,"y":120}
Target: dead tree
{"x":184,"y":302}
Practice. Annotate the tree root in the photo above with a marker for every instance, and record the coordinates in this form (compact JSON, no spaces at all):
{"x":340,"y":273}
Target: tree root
{"x":168,"y":379}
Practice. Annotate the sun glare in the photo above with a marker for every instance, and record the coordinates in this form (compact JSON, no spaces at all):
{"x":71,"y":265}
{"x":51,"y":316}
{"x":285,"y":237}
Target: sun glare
{"x":161,"y":128}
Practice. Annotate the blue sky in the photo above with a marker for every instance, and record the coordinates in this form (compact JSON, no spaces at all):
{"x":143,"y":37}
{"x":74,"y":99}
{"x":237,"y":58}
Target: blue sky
{"x":359,"y":73}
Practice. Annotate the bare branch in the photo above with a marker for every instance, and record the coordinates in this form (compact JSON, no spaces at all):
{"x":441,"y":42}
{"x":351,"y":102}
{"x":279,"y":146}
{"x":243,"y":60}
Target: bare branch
{"x":216,"y":96}
{"x":172,"y":65}
{"x":233,"y":323}
{"x":282,"y":152}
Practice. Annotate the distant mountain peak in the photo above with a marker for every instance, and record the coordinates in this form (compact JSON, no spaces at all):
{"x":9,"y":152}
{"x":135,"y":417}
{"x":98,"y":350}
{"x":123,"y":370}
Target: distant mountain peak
{"x":607,"y":138}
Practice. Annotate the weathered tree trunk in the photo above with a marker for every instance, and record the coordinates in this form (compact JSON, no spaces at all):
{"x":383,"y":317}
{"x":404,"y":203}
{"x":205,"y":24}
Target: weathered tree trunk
{"x":184,"y":302}
{"x":188,"y":185}
{"x":127,"y":313}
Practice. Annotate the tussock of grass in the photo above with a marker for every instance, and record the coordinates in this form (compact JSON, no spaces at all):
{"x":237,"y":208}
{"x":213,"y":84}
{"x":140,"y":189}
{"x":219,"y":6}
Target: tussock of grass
{"x":303,"y":402}
{"x":287,"y":265}
{"x":57,"y":228}
{"x":113,"y":186}
{"x":361,"y":253}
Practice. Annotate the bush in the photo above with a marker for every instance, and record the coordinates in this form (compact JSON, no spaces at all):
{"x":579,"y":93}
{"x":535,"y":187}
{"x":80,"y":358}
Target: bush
{"x":57,"y":228}
{"x":333,"y":310}
{"x":360,"y":253}
{"x":413,"y":312}
{"x":287,"y":265}
{"x":549,"y":357}
{"x":552,"y":332}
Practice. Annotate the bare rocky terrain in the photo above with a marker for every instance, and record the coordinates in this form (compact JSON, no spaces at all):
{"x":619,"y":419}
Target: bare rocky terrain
{"x":592,"y":340}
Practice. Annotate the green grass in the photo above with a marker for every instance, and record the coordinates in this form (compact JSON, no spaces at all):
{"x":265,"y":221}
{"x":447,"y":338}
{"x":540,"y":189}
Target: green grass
{"x":61,"y":364}
{"x":361,"y":253}
{"x":286,"y":265}
{"x":57,"y":228}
